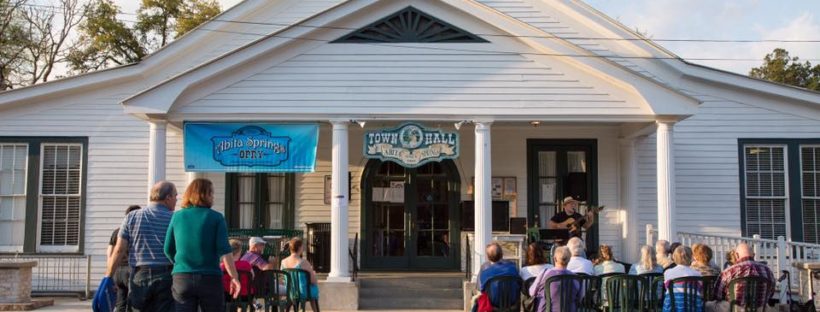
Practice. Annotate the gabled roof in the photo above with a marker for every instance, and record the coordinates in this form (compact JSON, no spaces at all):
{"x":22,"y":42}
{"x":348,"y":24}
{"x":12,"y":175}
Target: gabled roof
{"x":569,"y":20}
{"x":209,"y":77}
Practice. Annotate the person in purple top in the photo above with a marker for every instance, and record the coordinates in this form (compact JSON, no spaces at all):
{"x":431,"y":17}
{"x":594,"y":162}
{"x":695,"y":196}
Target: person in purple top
{"x":256,"y":245}
{"x":561,"y":259}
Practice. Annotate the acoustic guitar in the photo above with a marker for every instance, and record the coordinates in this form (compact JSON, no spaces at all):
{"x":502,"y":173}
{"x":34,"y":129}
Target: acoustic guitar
{"x":575,"y":226}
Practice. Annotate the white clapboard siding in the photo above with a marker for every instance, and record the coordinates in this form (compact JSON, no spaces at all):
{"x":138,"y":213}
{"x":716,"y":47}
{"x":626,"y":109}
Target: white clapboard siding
{"x":351,"y":78}
{"x":706,"y":164}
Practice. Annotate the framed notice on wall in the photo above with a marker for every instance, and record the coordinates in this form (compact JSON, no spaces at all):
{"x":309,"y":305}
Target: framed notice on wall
{"x":329,"y":187}
{"x":501,"y":188}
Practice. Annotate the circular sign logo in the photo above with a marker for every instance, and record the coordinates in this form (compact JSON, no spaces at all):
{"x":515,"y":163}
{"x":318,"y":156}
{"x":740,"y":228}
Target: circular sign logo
{"x":410,"y":136}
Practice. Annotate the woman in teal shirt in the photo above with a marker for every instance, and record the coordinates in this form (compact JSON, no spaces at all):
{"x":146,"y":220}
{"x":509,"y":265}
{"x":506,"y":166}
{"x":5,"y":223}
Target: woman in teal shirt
{"x":196,"y":240}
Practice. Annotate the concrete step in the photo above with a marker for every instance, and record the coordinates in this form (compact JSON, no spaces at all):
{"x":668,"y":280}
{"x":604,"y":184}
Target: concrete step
{"x":438,"y":293}
{"x":393,"y":304}
{"x":411,"y":282}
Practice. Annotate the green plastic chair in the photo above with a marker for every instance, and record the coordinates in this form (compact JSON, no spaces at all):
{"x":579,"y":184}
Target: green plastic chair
{"x":691,"y":290}
{"x":752,"y":286}
{"x":653,"y":294}
{"x":570,"y":293}
{"x":625,"y":293}
{"x":509,"y":301}
{"x":298,"y":288}
{"x":709,"y":284}
{"x":272,"y":288}
{"x":591,"y":287}
{"x":604,"y":295}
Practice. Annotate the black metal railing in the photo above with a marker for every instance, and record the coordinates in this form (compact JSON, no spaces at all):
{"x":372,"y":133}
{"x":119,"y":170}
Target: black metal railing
{"x":58,"y":274}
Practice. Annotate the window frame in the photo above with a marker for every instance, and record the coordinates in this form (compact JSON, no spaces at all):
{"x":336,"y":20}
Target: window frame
{"x":802,"y":187}
{"x":31,"y":239}
{"x":288,"y":214}
{"x":16,"y":249}
{"x":793,"y":181}
{"x":40,"y":196}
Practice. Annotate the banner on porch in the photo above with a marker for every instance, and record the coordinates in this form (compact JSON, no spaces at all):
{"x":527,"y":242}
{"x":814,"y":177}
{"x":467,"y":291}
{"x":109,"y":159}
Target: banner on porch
{"x":250,"y":147}
{"x":411,"y":145}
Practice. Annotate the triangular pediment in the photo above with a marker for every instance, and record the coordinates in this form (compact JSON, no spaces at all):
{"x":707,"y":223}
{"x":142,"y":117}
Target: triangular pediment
{"x":409,"y":25}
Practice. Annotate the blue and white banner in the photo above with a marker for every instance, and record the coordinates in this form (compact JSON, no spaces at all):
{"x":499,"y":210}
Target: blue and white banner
{"x":250,"y":147}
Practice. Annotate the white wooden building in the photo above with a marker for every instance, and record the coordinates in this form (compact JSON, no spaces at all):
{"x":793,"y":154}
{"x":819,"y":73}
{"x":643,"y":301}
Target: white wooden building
{"x":542,"y":90}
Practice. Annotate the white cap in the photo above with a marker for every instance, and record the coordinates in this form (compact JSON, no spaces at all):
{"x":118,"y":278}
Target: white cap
{"x":256,"y":240}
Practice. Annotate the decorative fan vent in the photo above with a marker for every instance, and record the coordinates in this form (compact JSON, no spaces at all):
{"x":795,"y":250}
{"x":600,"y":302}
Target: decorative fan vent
{"x":409,"y":25}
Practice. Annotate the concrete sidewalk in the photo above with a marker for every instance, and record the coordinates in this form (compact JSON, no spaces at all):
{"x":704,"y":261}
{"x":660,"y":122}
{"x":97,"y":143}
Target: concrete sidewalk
{"x":76,"y":305}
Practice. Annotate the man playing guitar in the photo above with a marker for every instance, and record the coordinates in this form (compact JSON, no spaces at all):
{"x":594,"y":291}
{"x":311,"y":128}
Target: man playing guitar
{"x":569,"y":218}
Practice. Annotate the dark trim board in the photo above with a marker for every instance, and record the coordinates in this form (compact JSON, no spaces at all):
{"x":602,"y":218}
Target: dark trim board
{"x":33,"y":188}
{"x":793,"y":170}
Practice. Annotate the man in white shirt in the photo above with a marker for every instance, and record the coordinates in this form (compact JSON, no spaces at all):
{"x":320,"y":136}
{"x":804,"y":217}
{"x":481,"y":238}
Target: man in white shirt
{"x":578,"y":263}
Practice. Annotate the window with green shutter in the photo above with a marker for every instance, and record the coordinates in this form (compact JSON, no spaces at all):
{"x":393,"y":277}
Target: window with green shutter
{"x":259,"y":200}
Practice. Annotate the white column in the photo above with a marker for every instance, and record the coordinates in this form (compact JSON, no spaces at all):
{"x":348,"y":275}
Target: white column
{"x":629,"y":199}
{"x":339,"y":203}
{"x":483,"y":197}
{"x":156,"y":152}
{"x":666,"y":181}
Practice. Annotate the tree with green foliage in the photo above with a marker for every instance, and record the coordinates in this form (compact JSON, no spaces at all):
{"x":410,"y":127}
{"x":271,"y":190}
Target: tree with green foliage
{"x":105,"y":40}
{"x":778,"y":66}
{"x":108,"y":41}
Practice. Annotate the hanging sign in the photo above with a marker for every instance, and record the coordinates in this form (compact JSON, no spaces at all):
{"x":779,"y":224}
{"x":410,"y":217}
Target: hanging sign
{"x":250,"y":147}
{"x":411,"y":145}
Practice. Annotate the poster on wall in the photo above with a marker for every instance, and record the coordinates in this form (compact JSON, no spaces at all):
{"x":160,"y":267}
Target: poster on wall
{"x":250,"y":147}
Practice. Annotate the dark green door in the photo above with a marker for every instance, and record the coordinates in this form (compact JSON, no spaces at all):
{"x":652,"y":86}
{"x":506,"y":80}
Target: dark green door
{"x":409,"y":216}
{"x":559,"y":168}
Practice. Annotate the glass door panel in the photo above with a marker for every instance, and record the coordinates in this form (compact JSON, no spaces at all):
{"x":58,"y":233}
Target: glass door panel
{"x":547,"y":187}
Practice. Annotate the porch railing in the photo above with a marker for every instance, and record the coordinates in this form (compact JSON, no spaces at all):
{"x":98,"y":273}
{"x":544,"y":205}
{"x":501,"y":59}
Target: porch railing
{"x":57,"y":274}
{"x":779,"y":254}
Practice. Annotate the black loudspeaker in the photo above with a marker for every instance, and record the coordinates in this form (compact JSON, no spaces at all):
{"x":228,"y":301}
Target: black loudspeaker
{"x":518,"y":225}
{"x":577,"y":185}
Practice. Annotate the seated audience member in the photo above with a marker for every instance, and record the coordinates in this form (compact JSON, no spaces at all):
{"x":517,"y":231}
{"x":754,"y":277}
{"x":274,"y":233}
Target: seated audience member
{"x":295,"y":261}
{"x":256,"y":245}
{"x":496,"y":266}
{"x":682,"y":256}
{"x":536,"y":262}
{"x":561,"y":258}
{"x":578,"y":263}
{"x":606,"y":262}
{"x":241,"y":266}
{"x":648,"y":263}
{"x":745,"y":266}
{"x":731,"y":259}
{"x":662,"y":256}
{"x":702,"y":260}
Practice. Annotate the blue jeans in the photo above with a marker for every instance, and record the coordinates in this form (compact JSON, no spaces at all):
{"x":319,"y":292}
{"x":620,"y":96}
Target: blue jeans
{"x":121,"y":281}
{"x":192,"y":291}
{"x":150,"y":289}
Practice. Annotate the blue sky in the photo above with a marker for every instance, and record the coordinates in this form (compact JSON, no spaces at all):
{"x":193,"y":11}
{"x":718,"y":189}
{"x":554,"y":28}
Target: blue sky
{"x":706,"y":19}
{"x":723,"y":19}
